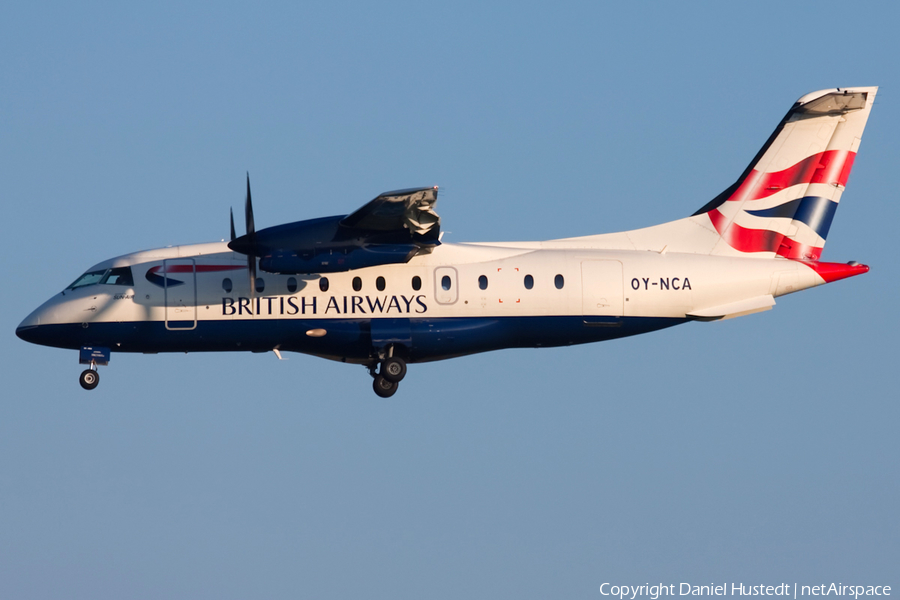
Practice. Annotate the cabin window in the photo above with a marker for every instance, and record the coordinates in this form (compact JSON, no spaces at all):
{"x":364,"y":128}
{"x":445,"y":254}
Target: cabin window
{"x":482,"y":282}
{"x":417,"y":283}
{"x":292,"y":284}
{"x":227,"y":286}
{"x":260,"y":285}
{"x":445,"y":285}
{"x":357,"y":284}
{"x":529,"y":282}
{"x":323,"y":284}
{"x":119,"y":276}
{"x":559,"y":282}
{"x":379,"y":284}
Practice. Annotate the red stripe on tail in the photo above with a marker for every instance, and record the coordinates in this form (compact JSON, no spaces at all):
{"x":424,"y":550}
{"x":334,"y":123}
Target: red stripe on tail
{"x":744,"y":239}
{"x":832,"y":166}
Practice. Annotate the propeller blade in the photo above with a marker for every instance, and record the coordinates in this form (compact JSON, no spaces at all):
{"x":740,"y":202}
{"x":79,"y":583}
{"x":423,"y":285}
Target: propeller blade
{"x":251,"y":232}
{"x":248,"y":210}
{"x":233,"y":235}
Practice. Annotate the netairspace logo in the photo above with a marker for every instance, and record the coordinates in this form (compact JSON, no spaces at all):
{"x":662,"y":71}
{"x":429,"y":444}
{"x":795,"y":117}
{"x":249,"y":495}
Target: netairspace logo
{"x":654,"y":592}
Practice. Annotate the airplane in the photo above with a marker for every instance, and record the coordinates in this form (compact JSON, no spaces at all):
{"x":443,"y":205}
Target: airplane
{"x":378,"y":288}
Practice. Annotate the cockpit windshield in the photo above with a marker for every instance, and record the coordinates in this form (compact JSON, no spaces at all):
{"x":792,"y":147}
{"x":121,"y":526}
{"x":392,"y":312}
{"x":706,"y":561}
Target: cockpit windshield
{"x":89,"y":278}
{"x":118,"y":276}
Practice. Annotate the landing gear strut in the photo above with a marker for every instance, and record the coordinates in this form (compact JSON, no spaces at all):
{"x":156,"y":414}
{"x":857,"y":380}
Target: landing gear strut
{"x":89,"y":379}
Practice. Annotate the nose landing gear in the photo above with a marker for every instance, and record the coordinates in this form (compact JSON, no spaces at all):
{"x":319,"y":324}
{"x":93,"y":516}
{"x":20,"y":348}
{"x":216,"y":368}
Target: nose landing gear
{"x":89,"y":379}
{"x":93,"y":356}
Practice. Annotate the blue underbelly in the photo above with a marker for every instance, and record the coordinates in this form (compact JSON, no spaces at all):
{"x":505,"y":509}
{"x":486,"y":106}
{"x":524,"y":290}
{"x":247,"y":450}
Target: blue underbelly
{"x":350,"y":339}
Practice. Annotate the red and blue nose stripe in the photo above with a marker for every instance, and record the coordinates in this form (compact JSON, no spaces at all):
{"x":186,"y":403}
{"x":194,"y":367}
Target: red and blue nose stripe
{"x":163,"y":281}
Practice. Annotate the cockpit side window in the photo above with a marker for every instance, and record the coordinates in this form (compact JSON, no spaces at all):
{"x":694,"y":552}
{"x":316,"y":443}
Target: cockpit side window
{"x":119,"y":276}
{"x":89,"y":278}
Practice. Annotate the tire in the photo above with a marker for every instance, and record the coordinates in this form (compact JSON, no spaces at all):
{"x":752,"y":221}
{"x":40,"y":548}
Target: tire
{"x":89,"y":379}
{"x":383,"y":387}
{"x":393,"y":369}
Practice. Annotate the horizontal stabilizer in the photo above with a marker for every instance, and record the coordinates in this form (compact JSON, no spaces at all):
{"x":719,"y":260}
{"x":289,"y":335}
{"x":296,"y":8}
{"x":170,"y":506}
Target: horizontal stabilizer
{"x":735,"y":309}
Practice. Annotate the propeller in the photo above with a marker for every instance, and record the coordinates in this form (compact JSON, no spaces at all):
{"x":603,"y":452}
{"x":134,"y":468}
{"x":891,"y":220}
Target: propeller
{"x":247,"y":243}
{"x":248,"y":210}
{"x":251,"y":234}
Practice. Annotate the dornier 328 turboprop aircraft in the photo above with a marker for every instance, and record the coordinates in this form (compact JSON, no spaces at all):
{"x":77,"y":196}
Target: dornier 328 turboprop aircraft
{"x":378,"y":288}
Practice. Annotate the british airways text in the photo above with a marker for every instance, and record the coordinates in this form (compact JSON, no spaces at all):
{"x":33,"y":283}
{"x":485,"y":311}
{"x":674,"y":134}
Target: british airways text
{"x":314,"y":305}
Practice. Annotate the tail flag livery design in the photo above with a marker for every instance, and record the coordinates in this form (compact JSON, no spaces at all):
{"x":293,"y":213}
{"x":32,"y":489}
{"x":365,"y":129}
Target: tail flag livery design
{"x":378,"y":287}
{"x":785,"y":202}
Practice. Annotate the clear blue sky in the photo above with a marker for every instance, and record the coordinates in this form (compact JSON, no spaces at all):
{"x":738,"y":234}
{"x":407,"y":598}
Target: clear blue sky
{"x":762,"y":449}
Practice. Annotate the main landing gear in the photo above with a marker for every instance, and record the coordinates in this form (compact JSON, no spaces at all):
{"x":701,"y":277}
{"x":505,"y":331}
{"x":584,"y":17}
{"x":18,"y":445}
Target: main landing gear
{"x":89,"y":379}
{"x":387,"y":380}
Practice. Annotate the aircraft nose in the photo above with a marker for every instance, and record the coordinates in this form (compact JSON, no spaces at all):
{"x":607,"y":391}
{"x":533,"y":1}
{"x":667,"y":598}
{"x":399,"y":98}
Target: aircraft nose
{"x":27,"y":329}
{"x":27,"y":332}
{"x":50,"y":324}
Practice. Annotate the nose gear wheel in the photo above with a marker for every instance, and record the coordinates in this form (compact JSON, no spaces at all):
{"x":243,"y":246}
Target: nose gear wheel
{"x":89,"y":379}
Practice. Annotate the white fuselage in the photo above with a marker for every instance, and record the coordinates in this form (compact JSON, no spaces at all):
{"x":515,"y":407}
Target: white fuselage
{"x":201,"y":300}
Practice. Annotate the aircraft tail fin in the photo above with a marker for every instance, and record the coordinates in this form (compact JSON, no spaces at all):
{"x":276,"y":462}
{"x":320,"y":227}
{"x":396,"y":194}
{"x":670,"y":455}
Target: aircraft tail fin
{"x":784,"y":202}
